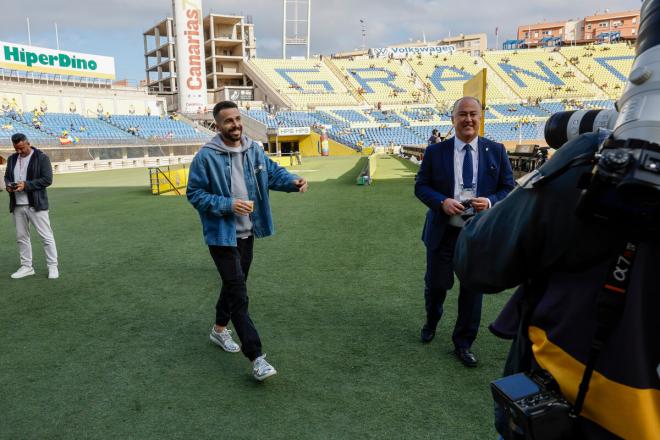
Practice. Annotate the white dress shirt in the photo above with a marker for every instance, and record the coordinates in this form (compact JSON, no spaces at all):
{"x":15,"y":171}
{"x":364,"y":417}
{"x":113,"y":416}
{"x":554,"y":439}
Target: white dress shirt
{"x":459,"y":156}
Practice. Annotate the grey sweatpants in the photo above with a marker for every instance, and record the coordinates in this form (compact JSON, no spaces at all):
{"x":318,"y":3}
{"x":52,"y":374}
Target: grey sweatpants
{"x":24,"y":216}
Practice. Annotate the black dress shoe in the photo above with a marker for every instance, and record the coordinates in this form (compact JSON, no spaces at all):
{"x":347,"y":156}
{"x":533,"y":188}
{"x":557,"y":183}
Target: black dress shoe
{"x":428,"y":333}
{"x":466,"y":357}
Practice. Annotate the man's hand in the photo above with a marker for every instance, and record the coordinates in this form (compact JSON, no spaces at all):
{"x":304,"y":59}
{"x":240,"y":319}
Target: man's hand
{"x":301,"y":184}
{"x":241,"y":207}
{"x":452,"y":206}
{"x":18,"y":187}
{"x":480,"y":204}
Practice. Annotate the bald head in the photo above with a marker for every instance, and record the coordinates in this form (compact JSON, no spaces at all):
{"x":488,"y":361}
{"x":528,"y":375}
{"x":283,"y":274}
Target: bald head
{"x":460,"y":101}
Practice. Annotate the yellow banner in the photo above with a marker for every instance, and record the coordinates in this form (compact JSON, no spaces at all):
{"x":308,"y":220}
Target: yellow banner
{"x":476,"y":88}
{"x":169,"y":180}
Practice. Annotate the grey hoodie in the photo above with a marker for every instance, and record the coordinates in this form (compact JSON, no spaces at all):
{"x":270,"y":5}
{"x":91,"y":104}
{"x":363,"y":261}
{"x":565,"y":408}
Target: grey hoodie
{"x":238,"y":187}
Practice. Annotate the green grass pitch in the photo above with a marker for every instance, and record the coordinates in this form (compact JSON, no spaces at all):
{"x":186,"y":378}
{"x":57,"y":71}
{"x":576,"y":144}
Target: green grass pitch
{"x":118,"y":348}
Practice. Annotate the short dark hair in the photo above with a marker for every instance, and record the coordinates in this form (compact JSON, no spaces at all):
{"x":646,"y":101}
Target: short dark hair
{"x":222,"y":105}
{"x":435,"y":131}
{"x":18,"y":137}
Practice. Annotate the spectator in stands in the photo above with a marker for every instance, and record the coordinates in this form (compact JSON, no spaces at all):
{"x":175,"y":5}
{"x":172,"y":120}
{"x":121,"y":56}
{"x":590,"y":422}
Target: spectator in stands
{"x":435,"y":137}
{"x":234,"y":210}
{"x":445,"y":194}
{"x":27,"y":176}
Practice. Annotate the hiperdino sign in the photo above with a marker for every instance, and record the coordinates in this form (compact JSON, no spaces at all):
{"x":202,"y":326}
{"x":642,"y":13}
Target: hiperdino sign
{"x":39,"y":59}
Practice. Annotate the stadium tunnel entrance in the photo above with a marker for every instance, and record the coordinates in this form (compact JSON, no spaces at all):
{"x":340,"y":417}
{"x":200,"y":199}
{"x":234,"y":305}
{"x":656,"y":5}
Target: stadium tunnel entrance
{"x":305,"y":145}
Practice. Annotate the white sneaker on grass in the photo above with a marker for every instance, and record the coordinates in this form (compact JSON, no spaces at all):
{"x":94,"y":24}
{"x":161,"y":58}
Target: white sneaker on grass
{"x":224,"y":340}
{"x":23,"y":272}
{"x":53,"y":273}
{"x":261,"y":369}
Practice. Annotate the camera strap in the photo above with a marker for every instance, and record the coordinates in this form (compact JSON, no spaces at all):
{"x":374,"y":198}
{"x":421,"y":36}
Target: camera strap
{"x":610,"y":304}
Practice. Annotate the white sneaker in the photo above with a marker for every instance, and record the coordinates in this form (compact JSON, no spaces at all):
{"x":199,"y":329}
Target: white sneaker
{"x":224,"y":340}
{"x":53,"y":273}
{"x":23,"y":272}
{"x":261,"y":369}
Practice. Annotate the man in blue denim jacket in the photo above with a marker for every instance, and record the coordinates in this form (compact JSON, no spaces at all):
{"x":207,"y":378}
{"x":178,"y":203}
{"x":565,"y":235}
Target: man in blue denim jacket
{"x":228,"y":185}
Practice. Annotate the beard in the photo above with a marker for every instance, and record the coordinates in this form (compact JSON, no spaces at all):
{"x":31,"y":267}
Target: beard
{"x":234,"y":135}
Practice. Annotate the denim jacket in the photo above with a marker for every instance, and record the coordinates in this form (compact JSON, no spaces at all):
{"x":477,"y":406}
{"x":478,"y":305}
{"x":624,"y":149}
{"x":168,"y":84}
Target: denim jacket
{"x":209,"y":190}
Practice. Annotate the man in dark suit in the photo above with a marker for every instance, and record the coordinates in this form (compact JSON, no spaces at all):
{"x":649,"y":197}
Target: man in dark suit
{"x":463,"y":168}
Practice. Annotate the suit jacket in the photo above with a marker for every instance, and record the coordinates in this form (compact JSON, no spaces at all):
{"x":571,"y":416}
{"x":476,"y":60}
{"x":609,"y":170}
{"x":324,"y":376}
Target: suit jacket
{"x":435,"y":182}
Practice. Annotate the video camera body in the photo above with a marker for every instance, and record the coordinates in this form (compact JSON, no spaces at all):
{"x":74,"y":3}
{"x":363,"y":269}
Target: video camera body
{"x":534,"y":406}
{"x":622,"y":190}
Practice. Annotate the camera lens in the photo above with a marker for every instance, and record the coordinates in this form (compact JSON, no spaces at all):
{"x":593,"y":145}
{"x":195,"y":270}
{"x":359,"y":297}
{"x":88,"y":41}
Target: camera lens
{"x":649,"y":26}
{"x":556,"y":129}
{"x":564,"y":126}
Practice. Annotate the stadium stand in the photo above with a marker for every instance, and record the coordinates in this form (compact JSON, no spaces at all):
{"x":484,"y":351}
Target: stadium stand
{"x":154,"y":127}
{"x":78,"y":127}
{"x":424,"y":131}
{"x":517,"y":110}
{"x":512,"y":131}
{"x":307,"y":83}
{"x":10,"y":126}
{"x":381,"y":81}
{"x":326,"y":118}
{"x":298,"y":119}
{"x":388,"y":117}
{"x":607,"y":65}
{"x":538,"y":73}
{"x":444,"y":75}
{"x":423,"y":115}
{"x":262,"y":116}
{"x":350,"y":115}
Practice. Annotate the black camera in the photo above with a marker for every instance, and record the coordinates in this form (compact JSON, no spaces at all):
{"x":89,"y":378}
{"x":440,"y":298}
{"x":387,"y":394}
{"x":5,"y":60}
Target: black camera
{"x":533,"y":406}
{"x":624,"y":185}
{"x":469,"y":209}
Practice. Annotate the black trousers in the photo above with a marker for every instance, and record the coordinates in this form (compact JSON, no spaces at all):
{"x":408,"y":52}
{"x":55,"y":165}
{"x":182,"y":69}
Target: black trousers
{"x":233,"y":264}
{"x":438,"y":279}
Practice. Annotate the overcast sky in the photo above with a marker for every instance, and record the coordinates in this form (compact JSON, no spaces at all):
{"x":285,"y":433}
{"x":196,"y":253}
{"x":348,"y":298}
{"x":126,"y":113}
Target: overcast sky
{"x":114,"y":27}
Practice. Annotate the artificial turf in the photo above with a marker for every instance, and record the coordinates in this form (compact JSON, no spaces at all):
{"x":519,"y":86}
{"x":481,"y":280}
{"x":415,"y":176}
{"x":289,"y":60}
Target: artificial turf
{"x":118,"y":348}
